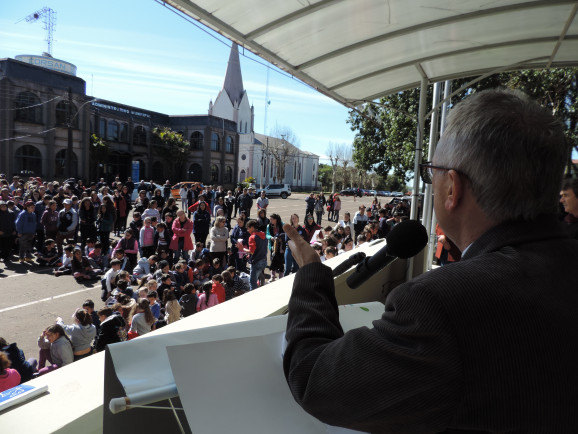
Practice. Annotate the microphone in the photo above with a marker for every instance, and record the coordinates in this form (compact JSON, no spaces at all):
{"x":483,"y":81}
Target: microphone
{"x":354,"y":259}
{"x":405,"y":240}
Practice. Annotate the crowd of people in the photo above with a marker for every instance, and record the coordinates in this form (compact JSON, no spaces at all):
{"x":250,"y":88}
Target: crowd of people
{"x":156,"y":261}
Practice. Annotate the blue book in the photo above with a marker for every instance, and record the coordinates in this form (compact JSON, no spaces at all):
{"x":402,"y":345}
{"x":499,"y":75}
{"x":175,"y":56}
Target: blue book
{"x":18,"y":394}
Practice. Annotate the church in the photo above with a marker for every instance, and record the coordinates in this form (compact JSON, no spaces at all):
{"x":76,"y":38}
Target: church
{"x":265,"y":158}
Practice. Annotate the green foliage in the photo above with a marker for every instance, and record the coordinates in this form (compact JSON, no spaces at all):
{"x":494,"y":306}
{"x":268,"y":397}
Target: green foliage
{"x":99,"y":149}
{"x":172,"y":149}
{"x":386,"y":132}
{"x":324,"y":174}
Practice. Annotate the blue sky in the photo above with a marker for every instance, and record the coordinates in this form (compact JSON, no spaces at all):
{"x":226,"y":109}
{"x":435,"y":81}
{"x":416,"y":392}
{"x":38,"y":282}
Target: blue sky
{"x":140,"y":53}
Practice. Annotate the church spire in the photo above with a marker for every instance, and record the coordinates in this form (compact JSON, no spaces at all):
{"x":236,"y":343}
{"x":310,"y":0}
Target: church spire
{"x":233,"y":78}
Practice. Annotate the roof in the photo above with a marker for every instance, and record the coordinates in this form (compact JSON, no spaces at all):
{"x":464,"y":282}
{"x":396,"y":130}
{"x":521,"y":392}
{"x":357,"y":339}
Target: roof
{"x":233,"y":78}
{"x":358,"y":50}
{"x":262,"y":140}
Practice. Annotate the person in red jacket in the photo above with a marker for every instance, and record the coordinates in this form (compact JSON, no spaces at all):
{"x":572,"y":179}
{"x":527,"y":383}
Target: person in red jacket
{"x":181,"y":242}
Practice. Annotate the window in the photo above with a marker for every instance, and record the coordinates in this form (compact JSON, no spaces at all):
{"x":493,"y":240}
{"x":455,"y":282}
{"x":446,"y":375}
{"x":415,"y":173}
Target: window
{"x":123,"y":135}
{"x":197,"y":140}
{"x":60,"y":164}
{"x":195,"y":172}
{"x":62,"y":114}
{"x":102,"y":128}
{"x":28,"y":107}
{"x":229,"y":145}
{"x":139,"y":136}
{"x":28,"y":160}
{"x":228,"y":174}
{"x":214,"y":173}
{"x":112,"y":131}
{"x":215,"y":142}
{"x":242,"y":175}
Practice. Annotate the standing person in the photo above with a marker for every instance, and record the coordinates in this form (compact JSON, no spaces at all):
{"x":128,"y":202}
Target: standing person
{"x":49,"y":220}
{"x":239,"y":234}
{"x":104,"y":226}
{"x":67,"y":222}
{"x":26,"y":229}
{"x":446,"y":251}
{"x":238,"y":193}
{"x":167,"y":190}
{"x":171,"y":207}
{"x":490,"y":332}
{"x":122,"y":204}
{"x":7,"y":232}
{"x":219,"y":237}
{"x":310,"y":227}
{"x":319,"y":208}
{"x":262,"y":220}
{"x":181,"y":241}
{"x":81,"y":333}
{"x":276,"y":246}
{"x":87,"y":221}
{"x":569,"y":200}
{"x":291,"y":265}
{"x":129,"y":184}
{"x":336,"y":207}
{"x":39,"y":209}
{"x":360,"y":219}
{"x":263,"y":201}
{"x":147,"y":238}
{"x":229,"y":204}
{"x":309,"y":204}
{"x":183,"y":193}
{"x":202,"y":223}
{"x":257,"y":248}
{"x":245,"y":203}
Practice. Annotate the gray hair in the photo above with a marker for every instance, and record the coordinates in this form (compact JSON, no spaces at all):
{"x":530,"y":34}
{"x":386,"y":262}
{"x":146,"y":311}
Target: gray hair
{"x":512,"y":151}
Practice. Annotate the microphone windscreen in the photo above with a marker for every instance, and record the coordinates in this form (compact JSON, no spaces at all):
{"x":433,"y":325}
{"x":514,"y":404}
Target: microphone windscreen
{"x":406,"y":239}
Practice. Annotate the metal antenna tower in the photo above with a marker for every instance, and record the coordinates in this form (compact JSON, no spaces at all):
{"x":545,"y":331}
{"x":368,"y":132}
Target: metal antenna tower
{"x":49,"y":20}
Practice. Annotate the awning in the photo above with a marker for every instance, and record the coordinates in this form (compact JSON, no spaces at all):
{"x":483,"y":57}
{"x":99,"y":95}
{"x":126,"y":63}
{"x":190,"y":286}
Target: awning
{"x":358,"y":50}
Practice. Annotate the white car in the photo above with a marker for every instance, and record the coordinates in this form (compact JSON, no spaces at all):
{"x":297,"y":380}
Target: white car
{"x":282,"y":190}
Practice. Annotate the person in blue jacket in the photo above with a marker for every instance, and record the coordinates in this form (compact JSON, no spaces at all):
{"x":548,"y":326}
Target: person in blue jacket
{"x":26,"y":229}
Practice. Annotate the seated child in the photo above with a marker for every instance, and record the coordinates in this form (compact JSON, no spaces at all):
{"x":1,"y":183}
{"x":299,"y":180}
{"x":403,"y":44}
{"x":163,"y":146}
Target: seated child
{"x":48,"y":255}
{"x":188,"y":300}
{"x":66,"y":267}
{"x":218,"y":288}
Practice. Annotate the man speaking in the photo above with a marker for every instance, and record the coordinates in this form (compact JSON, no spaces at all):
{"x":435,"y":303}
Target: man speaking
{"x":485,"y":345}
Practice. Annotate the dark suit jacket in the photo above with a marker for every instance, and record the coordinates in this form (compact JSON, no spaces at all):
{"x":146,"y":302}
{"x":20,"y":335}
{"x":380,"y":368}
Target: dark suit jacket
{"x":489,"y":344}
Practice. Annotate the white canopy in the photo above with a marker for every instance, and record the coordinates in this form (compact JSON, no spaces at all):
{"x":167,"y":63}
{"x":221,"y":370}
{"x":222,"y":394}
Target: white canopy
{"x":355,"y":51}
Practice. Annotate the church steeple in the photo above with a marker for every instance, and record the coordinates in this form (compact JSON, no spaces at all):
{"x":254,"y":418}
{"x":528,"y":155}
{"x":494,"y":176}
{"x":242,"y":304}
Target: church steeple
{"x":233,"y":78}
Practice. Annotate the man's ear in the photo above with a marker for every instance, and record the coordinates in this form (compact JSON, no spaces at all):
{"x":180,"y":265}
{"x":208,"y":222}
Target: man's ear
{"x":455,"y":190}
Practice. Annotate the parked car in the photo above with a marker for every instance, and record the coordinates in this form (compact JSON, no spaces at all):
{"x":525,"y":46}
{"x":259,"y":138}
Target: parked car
{"x":351,"y":192}
{"x":372,"y":193}
{"x":175,"y":188}
{"x":134,"y":194}
{"x":272,"y":190}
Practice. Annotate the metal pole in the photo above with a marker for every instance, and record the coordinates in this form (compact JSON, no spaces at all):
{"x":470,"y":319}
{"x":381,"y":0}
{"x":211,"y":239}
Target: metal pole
{"x":428,"y":198}
{"x":417,"y":158}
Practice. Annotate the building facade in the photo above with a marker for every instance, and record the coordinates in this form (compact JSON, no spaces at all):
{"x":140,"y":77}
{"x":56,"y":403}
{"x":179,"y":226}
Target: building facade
{"x":36,"y":103}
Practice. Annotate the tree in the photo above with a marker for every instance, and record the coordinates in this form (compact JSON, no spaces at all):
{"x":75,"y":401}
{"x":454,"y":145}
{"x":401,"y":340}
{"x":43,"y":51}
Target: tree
{"x":283,"y":148}
{"x":325,"y":174}
{"x":172,"y":149}
{"x":334,"y":153}
{"x":386,"y":130}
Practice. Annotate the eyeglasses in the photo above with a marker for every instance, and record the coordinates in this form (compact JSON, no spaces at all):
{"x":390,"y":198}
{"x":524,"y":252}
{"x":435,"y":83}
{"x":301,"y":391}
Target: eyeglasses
{"x":426,"y":171}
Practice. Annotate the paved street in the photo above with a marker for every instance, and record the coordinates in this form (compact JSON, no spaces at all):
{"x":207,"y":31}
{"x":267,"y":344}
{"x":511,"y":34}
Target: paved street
{"x":32,"y":298}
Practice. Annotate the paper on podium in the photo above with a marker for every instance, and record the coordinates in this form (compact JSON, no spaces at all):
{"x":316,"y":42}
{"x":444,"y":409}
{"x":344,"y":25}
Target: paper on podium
{"x":237,"y":385}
